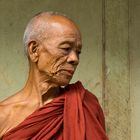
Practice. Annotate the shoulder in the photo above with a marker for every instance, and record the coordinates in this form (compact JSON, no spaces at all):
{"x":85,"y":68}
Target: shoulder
{"x":6,"y":111}
{"x":89,"y":99}
{"x":4,"y":115}
{"x":6,"y":107}
{"x":90,"y":103}
{"x":78,"y":86}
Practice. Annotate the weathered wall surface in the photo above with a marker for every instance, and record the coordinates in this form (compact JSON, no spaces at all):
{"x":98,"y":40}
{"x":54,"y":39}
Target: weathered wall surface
{"x":117,"y":100}
{"x":135,"y":68}
{"x":15,"y":15}
{"x":110,"y":64}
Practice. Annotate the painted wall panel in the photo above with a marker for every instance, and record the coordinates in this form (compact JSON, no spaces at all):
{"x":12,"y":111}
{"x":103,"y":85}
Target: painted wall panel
{"x":117,"y":100}
{"x":15,"y":15}
{"x":102,"y":22}
{"x":135,"y":68}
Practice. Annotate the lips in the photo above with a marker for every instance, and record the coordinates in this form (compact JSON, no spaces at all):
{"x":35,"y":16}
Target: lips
{"x":69,"y":72}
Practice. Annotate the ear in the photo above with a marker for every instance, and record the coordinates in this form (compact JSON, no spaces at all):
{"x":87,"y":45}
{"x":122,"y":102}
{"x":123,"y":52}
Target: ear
{"x":33,"y":50}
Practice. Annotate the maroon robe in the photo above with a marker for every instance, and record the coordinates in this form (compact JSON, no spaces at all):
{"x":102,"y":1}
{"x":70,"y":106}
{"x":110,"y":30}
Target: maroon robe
{"x":74,"y":115}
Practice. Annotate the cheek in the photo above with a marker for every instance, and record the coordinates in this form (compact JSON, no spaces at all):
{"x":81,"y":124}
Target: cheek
{"x":50,"y":64}
{"x":44,"y":62}
{"x":59,"y":63}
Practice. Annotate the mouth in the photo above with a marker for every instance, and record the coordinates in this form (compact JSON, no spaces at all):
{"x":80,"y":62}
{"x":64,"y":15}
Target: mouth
{"x":68,"y":72}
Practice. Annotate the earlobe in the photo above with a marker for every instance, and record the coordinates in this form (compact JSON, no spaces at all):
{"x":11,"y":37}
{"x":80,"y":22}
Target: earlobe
{"x":33,"y":51}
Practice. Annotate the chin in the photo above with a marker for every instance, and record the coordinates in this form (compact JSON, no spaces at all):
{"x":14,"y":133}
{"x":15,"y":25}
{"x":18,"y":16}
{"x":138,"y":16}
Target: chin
{"x":63,"y":82}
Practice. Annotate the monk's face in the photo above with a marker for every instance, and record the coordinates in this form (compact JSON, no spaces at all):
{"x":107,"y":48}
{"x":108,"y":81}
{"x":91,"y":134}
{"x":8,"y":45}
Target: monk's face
{"x":59,"y":55}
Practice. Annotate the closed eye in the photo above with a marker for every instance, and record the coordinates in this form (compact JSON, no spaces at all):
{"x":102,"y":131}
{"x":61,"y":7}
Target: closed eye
{"x":66,"y":49}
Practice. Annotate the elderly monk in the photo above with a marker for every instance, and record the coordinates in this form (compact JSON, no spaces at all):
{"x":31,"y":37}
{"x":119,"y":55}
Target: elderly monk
{"x":48,"y":107}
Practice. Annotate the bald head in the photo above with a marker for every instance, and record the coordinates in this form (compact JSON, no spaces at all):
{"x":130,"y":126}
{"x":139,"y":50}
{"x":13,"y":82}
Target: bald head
{"x":44,"y":24}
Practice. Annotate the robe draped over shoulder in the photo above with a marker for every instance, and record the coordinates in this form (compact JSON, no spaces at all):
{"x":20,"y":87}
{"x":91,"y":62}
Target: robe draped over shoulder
{"x":74,"y":115}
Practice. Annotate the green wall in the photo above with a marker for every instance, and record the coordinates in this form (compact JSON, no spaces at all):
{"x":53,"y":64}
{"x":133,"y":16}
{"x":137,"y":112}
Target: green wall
{"x":110,"y":63}
{"x":135,"y":68}
{"x":14,"y":16}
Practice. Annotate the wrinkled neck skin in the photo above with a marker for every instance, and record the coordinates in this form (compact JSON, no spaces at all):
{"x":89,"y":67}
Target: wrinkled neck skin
{"x":38,"y":87}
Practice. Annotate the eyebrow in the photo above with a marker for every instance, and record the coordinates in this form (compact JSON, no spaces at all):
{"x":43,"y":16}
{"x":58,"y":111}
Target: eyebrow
{"x":67,"y":42}
{"x":71,"y":43}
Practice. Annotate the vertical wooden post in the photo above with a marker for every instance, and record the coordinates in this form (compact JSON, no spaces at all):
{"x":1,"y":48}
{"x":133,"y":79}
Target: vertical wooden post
{"x":116,"y":76}
{"x":135,"y":68}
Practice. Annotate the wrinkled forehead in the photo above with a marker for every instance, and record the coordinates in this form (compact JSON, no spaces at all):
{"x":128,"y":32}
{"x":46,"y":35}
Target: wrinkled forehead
{"x":59,"y":25}
{"x":65,"y":31}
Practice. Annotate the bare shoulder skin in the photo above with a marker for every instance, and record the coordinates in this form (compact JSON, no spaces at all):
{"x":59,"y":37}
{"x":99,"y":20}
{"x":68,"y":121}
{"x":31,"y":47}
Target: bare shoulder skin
{"x":6,"y":109}
{"x":10,"y":110}
{"x":18,"y":107}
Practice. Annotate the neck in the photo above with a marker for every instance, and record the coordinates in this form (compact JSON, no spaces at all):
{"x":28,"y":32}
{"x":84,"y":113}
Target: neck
{"x":39,"y":89}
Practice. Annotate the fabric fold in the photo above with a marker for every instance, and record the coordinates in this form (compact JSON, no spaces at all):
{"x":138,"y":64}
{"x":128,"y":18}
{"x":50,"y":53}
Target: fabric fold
{"x":74,"y":115}
{"x":74,"y":123}
{"x":40,"y":125}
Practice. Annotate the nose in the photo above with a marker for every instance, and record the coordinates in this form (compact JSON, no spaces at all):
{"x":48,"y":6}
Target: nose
{"x":73,"y":58}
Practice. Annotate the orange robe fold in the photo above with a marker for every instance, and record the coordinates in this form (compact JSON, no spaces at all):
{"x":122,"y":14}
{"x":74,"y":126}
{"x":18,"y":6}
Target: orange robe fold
{"x":74,"y":115}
